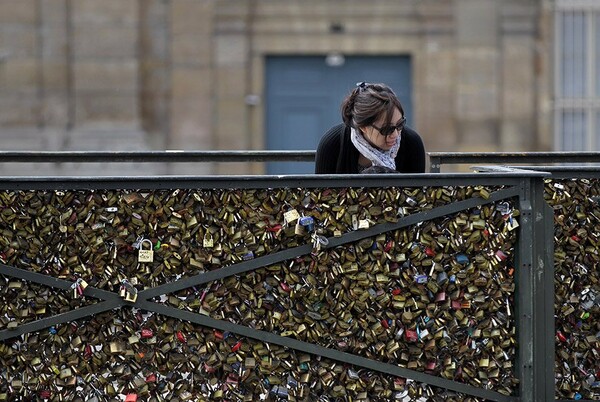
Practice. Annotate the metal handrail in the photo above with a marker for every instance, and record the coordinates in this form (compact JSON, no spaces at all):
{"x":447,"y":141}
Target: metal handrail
{"x":437,"y":159}
{"x":158,"y":156}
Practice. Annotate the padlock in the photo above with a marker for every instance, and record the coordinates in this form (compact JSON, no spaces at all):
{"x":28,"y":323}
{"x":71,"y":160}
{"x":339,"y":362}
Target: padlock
{"x":307,"y":222}
{"x":145,"y":255}
{"x":208,"y":240}
{"x":291,"y":216}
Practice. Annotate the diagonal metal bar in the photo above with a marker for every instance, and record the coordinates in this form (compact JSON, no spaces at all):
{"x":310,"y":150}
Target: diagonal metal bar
{"x":116,"y":300}
{"x":112,"y":300}
{"x":48,"y":280}
{"x":424,"y":216}
{"x":323,"y":351}
{"x":260,"y":262}
{"x":61,"y":318}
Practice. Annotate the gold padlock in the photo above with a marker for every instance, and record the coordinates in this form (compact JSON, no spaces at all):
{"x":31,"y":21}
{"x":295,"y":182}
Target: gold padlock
{"x":208,"y":240}
{"x":145,"y":255}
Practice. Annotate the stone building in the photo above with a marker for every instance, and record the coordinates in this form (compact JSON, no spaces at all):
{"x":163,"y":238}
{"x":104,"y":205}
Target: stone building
{"x":194,"y":74}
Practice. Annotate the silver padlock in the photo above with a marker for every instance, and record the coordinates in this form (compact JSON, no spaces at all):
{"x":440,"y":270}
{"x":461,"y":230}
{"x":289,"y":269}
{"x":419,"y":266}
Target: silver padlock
{"x":145,"y":255}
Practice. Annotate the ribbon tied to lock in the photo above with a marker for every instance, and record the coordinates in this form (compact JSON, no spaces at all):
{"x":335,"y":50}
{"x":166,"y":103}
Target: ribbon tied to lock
{"x":145,"y":255}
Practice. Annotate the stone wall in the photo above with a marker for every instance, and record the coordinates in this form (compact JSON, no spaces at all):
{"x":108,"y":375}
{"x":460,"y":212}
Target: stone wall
{"x":175,"y":74}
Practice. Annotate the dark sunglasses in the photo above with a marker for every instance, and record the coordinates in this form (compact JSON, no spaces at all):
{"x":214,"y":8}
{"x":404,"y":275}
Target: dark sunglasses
{"x":389,"y":130}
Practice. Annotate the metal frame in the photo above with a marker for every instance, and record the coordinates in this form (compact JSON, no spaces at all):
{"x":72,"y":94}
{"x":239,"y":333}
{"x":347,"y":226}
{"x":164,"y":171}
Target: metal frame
{"x":437,"y":159}
{"x":531,"y":260}
{"x":524,"y":161}
{"x":155,"y":156}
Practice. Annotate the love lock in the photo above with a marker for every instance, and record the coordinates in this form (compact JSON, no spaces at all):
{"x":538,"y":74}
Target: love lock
{"x":128,"y":291}
{"x":145,"y":255}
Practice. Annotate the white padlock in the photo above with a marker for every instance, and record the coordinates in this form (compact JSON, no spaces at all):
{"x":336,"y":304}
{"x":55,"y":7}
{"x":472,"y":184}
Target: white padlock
{"x":145,"y":255}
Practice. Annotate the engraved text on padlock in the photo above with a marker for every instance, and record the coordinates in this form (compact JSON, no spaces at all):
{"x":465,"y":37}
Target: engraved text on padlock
{"x":145,"y":255}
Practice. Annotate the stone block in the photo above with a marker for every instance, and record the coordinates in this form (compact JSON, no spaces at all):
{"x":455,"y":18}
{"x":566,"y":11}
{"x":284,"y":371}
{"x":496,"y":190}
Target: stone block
{"x":105,"y":42}
{"x":475,"y":103}
{"x":518,"y":80}
{"x":231,"y":50}
{"x":232,"y":131}
{"x":54,"y":12}
{"x":120,"y":77}
{"x":435,"y":120}
{"x":480,"y":135}
{"x":191,"y":83}
{"x":54,"y":44}
{"x":55,"y":76}
{"x":17,"y":11}
{"x":106,"y":107}
{"x":18,"y":110}
{"x":105,"y":13}
{"x":192,"y":17}
{"x":439,"y":67}
{"x":192,"y":49}
{"x":55,"y":109}
{"x":477,"y":22}
{"x":231,"y":82}
{"x":192,"y":124}
{"x":17,"y":41}
{"x":19,"y":75}
{"x":518,"y":135}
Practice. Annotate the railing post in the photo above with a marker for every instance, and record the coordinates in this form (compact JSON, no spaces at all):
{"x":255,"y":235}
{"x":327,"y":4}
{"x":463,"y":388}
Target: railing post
{"x":535,"y":295}
{"x":435,"y":163}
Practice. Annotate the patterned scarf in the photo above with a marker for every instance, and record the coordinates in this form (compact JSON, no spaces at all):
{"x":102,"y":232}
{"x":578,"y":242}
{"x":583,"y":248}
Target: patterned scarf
{"x":376,"y":156}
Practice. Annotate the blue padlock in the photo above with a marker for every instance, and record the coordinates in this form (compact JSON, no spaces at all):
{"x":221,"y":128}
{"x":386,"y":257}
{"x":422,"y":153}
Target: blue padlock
{"x":308,"y":222}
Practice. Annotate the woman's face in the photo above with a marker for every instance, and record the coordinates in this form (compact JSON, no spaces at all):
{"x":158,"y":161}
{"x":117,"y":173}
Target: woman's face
{"x":373,"y":135}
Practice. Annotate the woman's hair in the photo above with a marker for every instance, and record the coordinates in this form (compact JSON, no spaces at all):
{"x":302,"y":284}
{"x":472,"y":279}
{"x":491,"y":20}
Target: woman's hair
{"x":363,"y":106}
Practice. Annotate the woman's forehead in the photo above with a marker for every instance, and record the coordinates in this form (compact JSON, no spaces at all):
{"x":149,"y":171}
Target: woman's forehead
{"x":396,"y":116}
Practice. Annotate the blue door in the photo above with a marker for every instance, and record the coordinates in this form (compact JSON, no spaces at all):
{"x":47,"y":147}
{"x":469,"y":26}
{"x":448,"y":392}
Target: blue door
{"x":304,"y":94}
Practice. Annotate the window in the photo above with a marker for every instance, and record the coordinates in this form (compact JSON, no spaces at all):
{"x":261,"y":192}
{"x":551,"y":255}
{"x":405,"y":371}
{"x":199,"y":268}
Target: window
{"x":577,"y":79}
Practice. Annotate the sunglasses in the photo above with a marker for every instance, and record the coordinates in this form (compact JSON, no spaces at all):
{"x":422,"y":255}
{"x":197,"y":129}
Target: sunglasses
{"x":389,"y":130}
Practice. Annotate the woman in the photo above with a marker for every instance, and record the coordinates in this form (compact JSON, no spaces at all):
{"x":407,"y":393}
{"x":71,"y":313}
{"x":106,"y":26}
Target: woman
{"x":373,"y":134}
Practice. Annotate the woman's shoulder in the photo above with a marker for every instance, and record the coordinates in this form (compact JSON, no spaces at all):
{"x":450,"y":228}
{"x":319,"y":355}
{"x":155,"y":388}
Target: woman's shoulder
{"x":335,"y":131}
{"x":411,"y":135}
{"x":333,"y":135}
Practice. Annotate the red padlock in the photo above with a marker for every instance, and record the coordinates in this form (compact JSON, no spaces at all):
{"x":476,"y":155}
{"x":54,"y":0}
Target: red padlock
{"x":181,"y":337}
{"x":411,"y":335}
{"x":209,"y":369}
{"x":87,"y":352}
{"x":388,"y":246}
{"x":237,"y":346}
{"x":147,"y":333}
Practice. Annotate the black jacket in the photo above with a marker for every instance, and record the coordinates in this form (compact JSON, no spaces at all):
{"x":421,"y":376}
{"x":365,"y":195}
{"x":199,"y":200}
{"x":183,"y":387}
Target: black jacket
{"x":337,"y":155}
